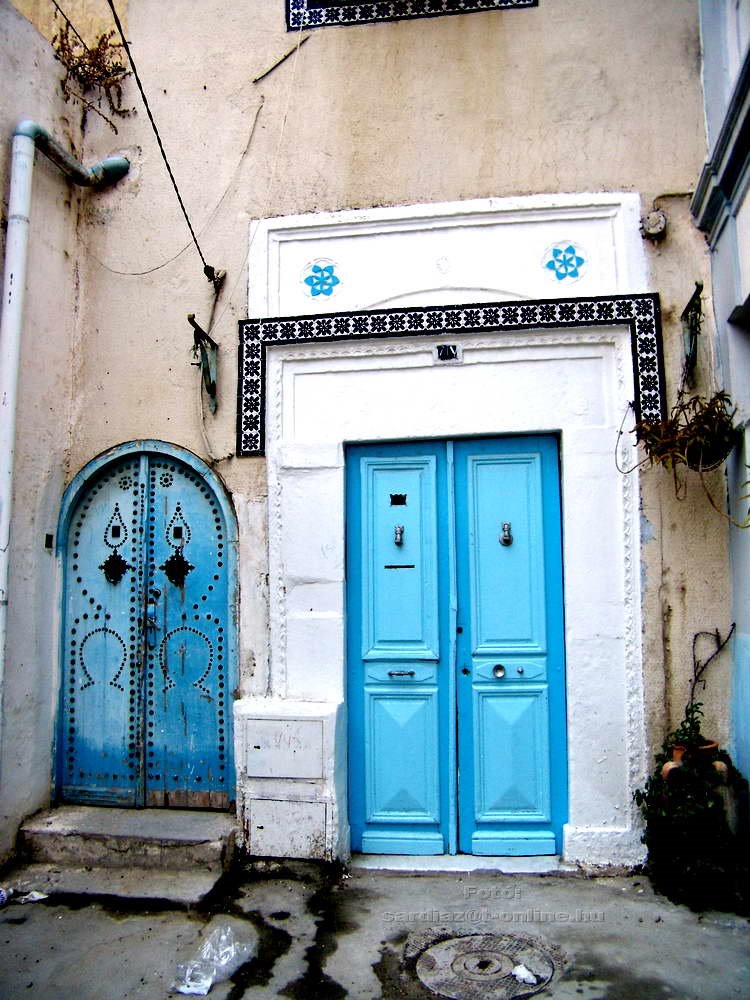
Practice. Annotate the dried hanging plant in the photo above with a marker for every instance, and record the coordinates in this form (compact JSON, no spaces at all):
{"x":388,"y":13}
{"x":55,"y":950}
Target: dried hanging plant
{"x":99,"y":70}
{"x":698,"y":432}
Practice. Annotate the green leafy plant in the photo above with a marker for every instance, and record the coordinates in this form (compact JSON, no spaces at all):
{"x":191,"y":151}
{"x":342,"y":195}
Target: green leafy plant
{"x":694,"y":853}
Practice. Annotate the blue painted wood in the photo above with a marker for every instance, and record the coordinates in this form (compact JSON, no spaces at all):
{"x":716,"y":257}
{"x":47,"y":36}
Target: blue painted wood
{"x":399,"y":578}
{"x":499,"y":777}
{"x":399,"y":709}
{"x":99,"y":748}
{"x":149,"y":659}
{"x":511,"y":753}
{"x":452,"y":738}
{"x":512,"y":734}
{"x":506,"y":582}
{"x":402,"y":718}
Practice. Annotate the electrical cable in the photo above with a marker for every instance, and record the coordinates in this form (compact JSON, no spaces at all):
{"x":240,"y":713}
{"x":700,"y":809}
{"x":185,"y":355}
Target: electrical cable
{"x":69,"y":23}
{"x":206,"y":224}
{"x":213,"y":323}
{"x":271,"y":180}
{"x":207,"y":269}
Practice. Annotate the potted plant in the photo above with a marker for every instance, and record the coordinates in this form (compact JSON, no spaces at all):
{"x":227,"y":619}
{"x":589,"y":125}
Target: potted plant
{"x":698,"y":433}
{"x":689,"y":804}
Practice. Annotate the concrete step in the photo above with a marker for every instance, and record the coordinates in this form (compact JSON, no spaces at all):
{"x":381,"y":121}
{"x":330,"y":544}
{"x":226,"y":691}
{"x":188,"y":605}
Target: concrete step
{"x":93,"y":836}
{"x":182,"y":888}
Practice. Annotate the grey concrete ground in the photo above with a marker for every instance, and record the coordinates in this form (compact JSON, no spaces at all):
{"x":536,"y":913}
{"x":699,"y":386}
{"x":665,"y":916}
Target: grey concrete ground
{"x":321,"y":935}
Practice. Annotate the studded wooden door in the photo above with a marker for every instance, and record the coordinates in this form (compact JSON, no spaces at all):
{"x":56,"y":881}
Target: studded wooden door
{"x":147,"y":642}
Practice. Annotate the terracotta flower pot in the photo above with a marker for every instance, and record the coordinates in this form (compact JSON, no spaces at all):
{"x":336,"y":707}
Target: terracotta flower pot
{"x":676,"y":761}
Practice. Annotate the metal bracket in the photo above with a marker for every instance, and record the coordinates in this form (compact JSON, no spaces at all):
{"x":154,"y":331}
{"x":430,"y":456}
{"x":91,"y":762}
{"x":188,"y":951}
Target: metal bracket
{"x":206,"y":350}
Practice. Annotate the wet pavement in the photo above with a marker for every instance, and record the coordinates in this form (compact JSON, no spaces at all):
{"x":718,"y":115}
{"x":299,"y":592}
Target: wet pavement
{"x":322,"y":933}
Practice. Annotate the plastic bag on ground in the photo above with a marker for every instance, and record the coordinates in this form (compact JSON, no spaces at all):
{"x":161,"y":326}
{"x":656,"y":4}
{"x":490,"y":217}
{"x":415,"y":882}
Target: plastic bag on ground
{"x":218,"y":957}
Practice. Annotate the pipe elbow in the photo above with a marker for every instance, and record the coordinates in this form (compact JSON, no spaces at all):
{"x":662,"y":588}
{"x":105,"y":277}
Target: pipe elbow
{"x":108,"y":171}
{"x":102,"y":174}
{"x":30,"y":129}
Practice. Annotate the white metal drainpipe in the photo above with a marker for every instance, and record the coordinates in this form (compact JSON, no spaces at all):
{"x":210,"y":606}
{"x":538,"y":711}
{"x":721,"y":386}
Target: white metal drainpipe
{"x":27,"y":137}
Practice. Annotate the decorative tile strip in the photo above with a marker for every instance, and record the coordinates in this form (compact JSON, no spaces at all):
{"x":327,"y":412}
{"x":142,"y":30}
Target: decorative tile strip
{"x":641,"y":313}
{"x":327,"y":13}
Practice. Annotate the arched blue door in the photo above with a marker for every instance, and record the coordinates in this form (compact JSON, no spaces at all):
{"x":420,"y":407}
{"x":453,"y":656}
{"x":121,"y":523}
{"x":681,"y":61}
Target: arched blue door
{"x":148,"y":543}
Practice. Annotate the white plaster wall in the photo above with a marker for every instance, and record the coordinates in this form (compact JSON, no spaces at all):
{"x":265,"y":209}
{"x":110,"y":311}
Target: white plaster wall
{"x":576,"y":383}
{"x":29,"y":89}
{"x":476,"y":107}
{"x":496,"y":390}
{"x":483,"y":106}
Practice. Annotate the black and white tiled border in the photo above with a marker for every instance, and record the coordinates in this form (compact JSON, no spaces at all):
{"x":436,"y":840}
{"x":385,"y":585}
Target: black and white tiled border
{"x":641,"y":313}
{"x":320,"y":14}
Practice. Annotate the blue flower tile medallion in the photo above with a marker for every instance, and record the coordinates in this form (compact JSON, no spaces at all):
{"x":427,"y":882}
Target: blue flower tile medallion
{"x":565,"y":261}
{"x":320,"y":278}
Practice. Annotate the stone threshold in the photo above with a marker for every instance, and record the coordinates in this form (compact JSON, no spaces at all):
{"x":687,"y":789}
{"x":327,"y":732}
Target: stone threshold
{"x":543,"y":865}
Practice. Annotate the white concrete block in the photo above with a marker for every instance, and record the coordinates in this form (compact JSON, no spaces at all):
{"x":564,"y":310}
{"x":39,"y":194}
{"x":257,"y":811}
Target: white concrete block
{"x":278,"y":748}
{"x":310,"y":456}
{"x":287,"y":829}
{"x":312,"y":514}
{"x":315,"y":656}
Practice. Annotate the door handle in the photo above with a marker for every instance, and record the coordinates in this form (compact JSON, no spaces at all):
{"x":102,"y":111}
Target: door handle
{"x":498,"y":670}
{"x":151,"y":625}
{"x":506,"y":538}
{"x":398,"y":534}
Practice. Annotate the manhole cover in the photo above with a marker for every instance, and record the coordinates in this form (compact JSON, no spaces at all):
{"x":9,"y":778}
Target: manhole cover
{"x":485,"y":967}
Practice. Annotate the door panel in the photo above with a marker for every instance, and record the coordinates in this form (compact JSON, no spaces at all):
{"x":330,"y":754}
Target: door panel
{"x":145,"y":714}
{"x":511,"y":749}
{"x":456,"y":540}
{"x":406,"y":723}
{"x":506,"y":581}
{"x":400,"y":575}
{"x":511,"y":698}
{"x":99,"y":749}
{"x":398,"y":705}
{"x":188,"y":700}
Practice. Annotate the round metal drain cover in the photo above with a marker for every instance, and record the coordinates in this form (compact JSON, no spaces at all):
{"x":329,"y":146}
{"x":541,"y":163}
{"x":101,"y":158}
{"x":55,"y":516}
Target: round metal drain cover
{"x":485,"y":967}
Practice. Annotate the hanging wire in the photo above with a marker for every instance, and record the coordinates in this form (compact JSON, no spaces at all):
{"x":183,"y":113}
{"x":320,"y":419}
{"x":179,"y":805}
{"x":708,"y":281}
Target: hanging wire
{"x":207,"y":269}
{"x":206,"y":224}
{"x":213,"y":323}
{"x":271,"y":180}
{"x":69,"y":23}
{"x":625,"y":472}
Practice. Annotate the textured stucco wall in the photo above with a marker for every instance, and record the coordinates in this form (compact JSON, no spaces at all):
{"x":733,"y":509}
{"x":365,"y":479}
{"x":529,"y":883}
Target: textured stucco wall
{"x":574,"y":95}
{"x":29,"y":89}
{"x":91,"y":20}
{"x":570,"y":96}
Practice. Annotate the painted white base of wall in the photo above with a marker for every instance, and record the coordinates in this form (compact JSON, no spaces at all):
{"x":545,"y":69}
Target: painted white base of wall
{"x":575,"y":383}
{"x":292,"y":782}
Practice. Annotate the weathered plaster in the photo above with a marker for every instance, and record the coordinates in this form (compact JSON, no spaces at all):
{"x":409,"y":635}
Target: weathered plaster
{"x":43,"y":425}
{"x":575,"y":95}
{"x":91,"y":19}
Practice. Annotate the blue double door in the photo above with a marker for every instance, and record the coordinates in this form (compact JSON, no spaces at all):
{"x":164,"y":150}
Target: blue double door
{"x":148,"y":662}
{"x":455,"y":648}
